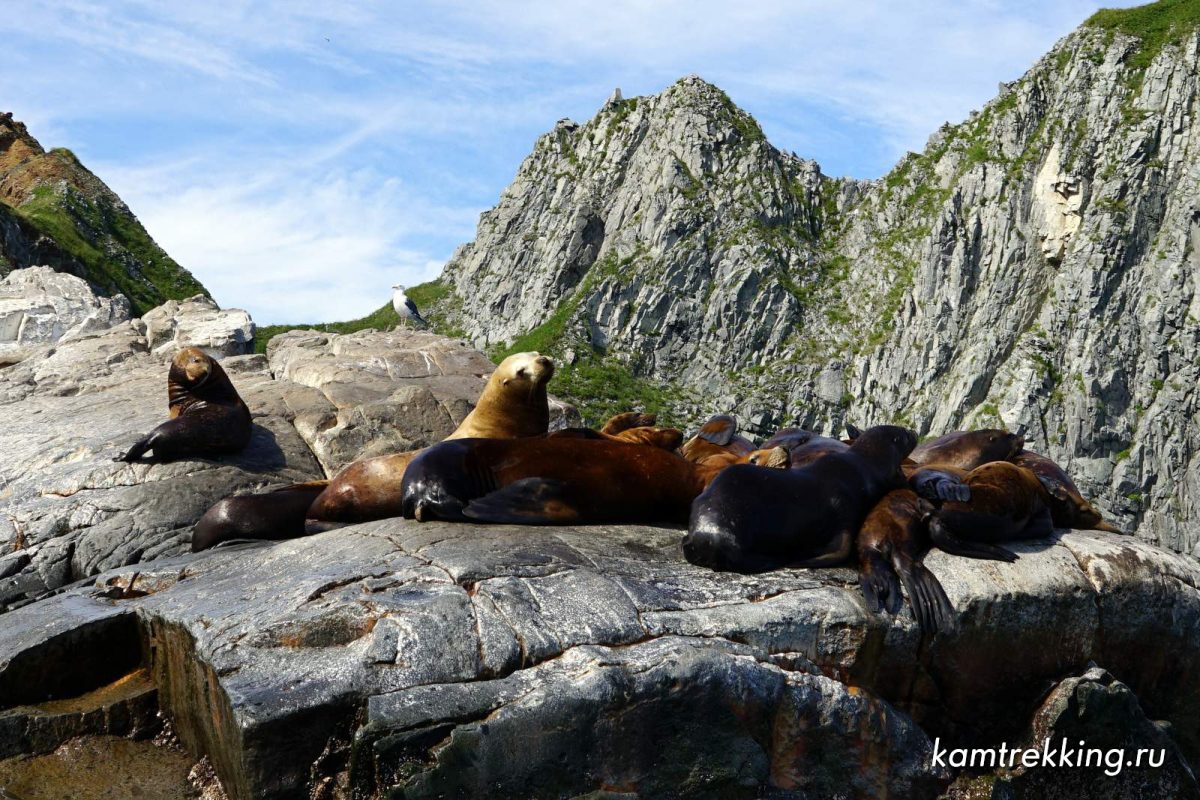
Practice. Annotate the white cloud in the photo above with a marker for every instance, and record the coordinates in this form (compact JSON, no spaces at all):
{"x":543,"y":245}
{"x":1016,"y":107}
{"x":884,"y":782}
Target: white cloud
{"x":287,"y":244}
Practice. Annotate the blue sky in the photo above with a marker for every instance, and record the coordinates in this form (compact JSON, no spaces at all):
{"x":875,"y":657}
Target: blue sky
{"x":301,"y":157}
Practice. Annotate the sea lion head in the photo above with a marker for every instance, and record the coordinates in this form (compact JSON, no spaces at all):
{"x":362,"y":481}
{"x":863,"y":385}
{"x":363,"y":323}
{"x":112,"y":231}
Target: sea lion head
{"x":999,"y":445}
{"x":191,"y":367}
{"x":525,"y":371}
{"x":888,"y":445}
{"x":774,"y":457}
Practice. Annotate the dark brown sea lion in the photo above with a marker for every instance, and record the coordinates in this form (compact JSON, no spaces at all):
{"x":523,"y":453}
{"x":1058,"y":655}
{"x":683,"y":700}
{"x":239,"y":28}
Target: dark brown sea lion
{"x":751,"y":519}
{"x":552,"y":481}
{"x":1068,"y":507}
{"x":255,"y":516}
{"x":1007,"y":502}
{"x":891,"y":543}
{"x":512,"y":404}
{"x":208,"y":418}
{"x":717,"y":442}
{"x":969,"y":449}
{"x":804,"y":447}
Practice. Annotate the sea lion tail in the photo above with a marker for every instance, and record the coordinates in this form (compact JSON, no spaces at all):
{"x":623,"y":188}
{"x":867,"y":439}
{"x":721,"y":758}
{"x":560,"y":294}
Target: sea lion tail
{"x":931,"y":608}
{"x":878,"y":581}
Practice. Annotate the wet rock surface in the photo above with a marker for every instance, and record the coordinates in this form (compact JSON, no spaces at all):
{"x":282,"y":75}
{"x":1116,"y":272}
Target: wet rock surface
{"x":450,"y":660}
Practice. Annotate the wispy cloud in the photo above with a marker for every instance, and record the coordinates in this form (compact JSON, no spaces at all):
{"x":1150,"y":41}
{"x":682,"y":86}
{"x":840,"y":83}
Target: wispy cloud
{"x":300,"y":157}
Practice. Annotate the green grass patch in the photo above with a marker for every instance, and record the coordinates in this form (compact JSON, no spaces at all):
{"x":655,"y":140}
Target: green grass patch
{"x":1157,"y":25}
{"x":427,"y":296}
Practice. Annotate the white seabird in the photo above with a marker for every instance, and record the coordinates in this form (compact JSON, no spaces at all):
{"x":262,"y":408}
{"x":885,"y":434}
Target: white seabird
{"x":405,"y":307}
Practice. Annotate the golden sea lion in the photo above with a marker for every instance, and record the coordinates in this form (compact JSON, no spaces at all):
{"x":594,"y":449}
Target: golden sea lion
{"x":1068,"y":507}
{"x":891,"y":542}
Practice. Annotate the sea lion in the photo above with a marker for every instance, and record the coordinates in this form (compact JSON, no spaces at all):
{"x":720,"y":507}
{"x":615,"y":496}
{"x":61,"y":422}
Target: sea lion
{"x":1068,"y":507}
{"x":208,"y":418}
{"x":627,"y":420}
{"x":751,"y":519}
{"x":254,"y":516}
{"x":552,"y":481}
{"x":717,"y":442}
{"x":512,"y":404}
{"x":1007,"y":502}
{"x":891,"y":542}
{"x":805,"y":447}
{"x":970,"y":449}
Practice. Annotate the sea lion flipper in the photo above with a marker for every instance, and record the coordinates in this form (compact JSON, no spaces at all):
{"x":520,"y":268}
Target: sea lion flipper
{"x":945,"y":539}
{"x":719,"y":430}
{"x":852,"y":431}
{"x":931,"y":607}
{"x":878,"y":581}
{"x":529,"y":501}
{"x":933,"y":484}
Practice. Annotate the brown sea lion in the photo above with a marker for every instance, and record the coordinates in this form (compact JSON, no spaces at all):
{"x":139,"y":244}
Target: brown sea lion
{"x":805,"y":447}
{"x":1007,"y":502}
{"x":717,"y":441}
{"x":1068,"y":507}
{"x":969,"y":449}
{"x":552,"y":481}
{"x":891,"y":543}
{"x":208,"y":418}
{"x":512,"y":404}
{"x":627,"y":420}
{"x":751,"y":519}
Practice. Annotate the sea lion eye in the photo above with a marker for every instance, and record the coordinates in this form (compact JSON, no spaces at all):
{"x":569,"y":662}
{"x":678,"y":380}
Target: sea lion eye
{"x":521,"y":372}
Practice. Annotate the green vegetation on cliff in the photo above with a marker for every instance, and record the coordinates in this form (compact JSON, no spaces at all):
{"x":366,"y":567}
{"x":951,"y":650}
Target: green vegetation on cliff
{"x":118,"y":254}
{"x":1157,"y":24}
{"x":427,"y":296}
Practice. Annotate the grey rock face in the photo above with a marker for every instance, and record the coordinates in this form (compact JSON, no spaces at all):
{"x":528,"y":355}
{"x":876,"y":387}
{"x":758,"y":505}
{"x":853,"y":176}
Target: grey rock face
{"x":199,"y":322}
{"x":40,"y":306}
{"x":1034,"y":265}
{"x":454,"y":660}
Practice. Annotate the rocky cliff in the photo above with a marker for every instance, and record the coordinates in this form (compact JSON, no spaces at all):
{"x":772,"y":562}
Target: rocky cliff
{"x":54,"y":211}
{"x":1035,"y":265}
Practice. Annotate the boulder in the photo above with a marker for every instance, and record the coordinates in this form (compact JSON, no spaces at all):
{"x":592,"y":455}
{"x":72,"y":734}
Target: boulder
{"x":40,"y":306}
{"x":199,"y":322}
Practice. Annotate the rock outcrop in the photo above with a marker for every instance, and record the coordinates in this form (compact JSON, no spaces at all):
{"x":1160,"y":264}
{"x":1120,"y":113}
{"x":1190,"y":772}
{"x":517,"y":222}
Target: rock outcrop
{"x":439,"y":660}
{"x":39,"y":306}
{"x":1034,"y":265}
{"x":55,"y":212}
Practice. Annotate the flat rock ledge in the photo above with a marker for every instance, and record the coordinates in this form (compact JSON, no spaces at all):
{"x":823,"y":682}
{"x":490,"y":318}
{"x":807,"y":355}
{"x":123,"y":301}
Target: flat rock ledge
{"x":397,"y":659}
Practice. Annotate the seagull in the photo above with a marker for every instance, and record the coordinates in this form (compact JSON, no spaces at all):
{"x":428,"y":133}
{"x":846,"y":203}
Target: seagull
{"x":406,"y":308}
